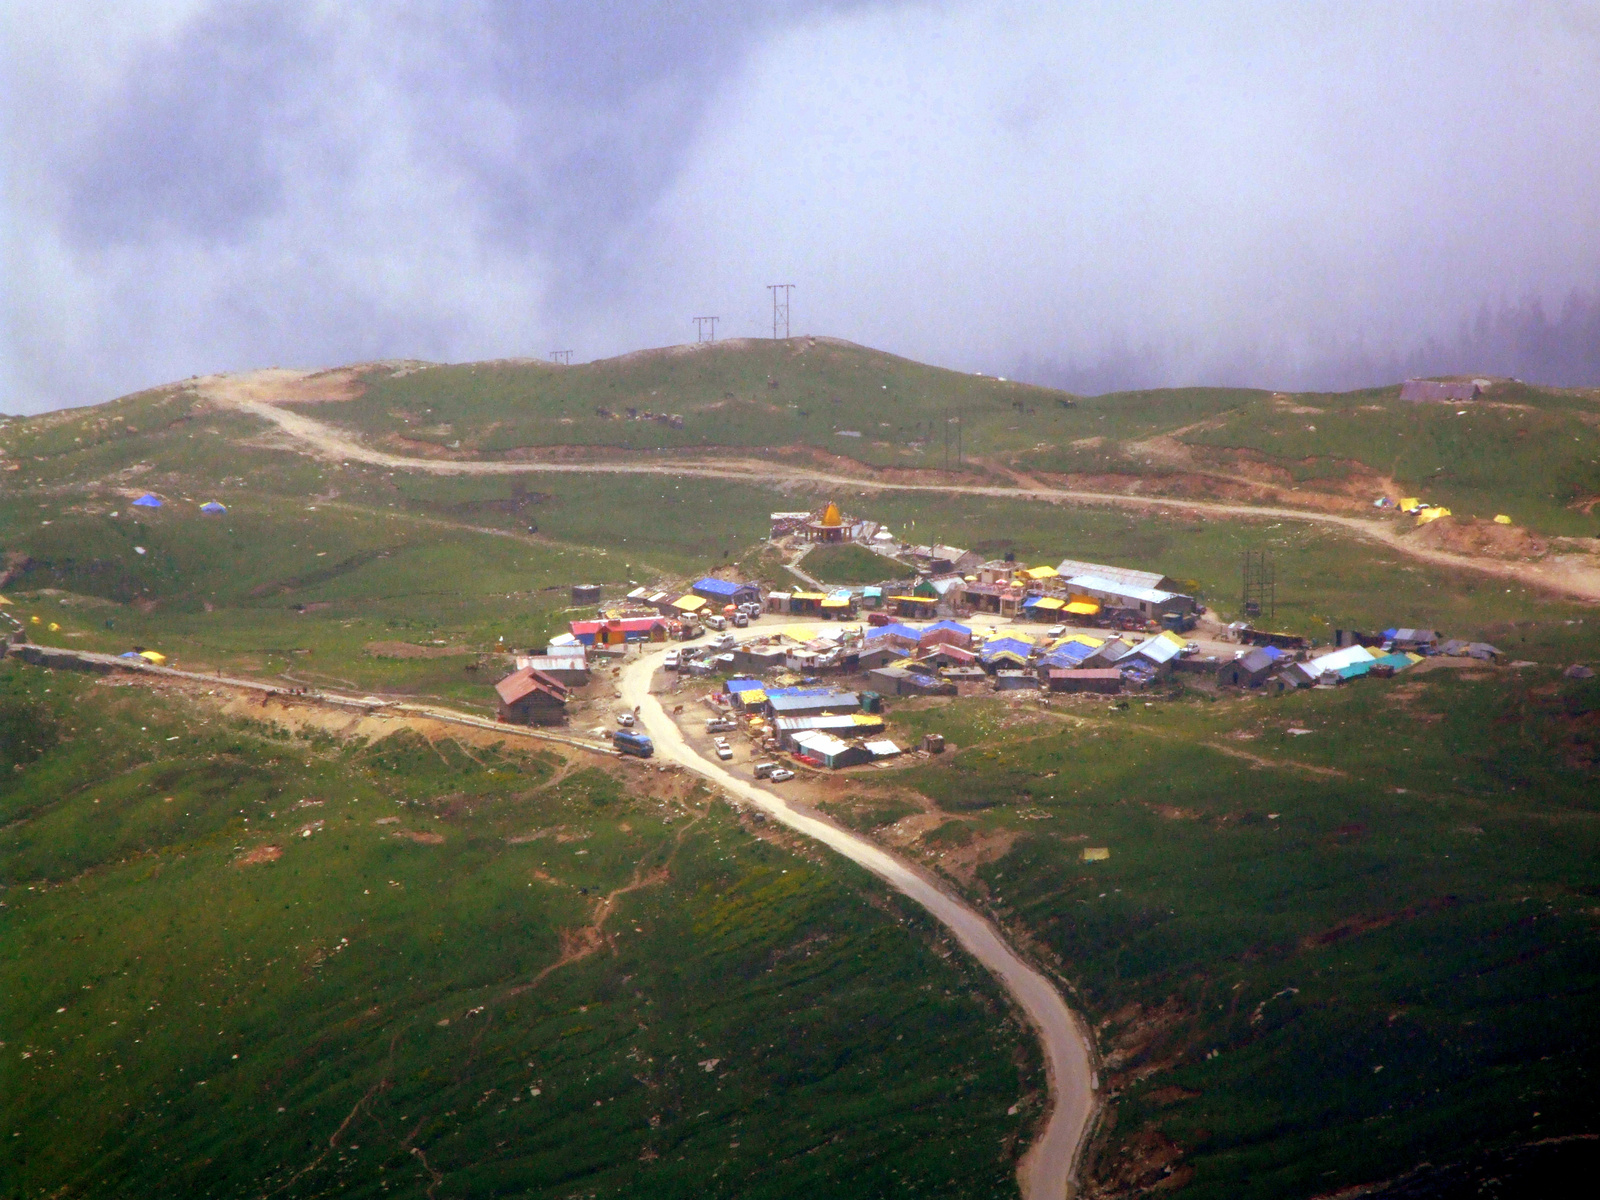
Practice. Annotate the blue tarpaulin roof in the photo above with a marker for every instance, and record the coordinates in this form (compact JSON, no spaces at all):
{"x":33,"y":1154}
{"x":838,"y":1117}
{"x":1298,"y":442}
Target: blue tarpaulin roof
{"x":948,"y":624}
{"x":148,"y":501}
{"x":719,"y":587}
{"x":1006,"y":645}
{"x":1069,"y":655}
{"x":896,"y":630}
{"x":735,"y":686}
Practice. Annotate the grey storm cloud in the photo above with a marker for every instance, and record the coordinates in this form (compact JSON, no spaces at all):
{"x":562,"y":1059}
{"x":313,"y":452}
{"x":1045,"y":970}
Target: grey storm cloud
{"x":1305,"y":195}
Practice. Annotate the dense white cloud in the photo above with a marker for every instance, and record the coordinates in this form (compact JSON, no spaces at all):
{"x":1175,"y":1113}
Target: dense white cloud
{"x":1199,"y":192}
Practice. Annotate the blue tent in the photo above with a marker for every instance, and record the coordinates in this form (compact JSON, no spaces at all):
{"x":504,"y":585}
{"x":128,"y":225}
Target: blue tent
{"x":147,"y":501}
{"x":211,"y":506}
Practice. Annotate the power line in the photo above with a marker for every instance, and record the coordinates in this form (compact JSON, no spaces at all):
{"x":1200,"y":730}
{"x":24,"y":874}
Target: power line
{"x":700,"y":324}
{"x":780,"y":307}
{"x":563,"y":357}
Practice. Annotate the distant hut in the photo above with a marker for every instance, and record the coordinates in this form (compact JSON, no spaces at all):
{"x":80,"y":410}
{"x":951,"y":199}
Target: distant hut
{"x":530,"y":697}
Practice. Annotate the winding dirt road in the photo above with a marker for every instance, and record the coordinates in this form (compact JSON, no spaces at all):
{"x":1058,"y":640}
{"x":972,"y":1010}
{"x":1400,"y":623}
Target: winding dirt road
{"x":253,"y":393}
{"x":1047,"y":1169}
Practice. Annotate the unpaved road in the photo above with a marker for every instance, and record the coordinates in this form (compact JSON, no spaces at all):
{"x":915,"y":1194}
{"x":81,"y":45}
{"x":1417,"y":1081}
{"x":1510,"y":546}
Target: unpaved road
{"x":1046,"y":1170}
{"x":253,"y":392}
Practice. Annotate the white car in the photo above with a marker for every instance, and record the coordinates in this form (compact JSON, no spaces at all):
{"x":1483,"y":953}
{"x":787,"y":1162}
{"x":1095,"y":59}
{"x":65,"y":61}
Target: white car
{"x":671,"y":660}
{"x":625,"y":720}
{"x":725,"y":752}
{"x":780,"y":774}
{"x":1056,"y":630}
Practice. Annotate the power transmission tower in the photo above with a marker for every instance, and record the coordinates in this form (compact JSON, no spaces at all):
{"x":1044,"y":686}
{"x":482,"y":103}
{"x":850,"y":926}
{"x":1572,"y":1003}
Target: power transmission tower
{"x":700,"y":324}
{"x":780,"y":307}
{"x":1259,"y":595}
{"x":564,"y":357}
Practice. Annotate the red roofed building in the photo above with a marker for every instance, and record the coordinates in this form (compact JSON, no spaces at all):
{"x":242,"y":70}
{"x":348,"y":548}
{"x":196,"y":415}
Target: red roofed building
{"x":530,"y":697}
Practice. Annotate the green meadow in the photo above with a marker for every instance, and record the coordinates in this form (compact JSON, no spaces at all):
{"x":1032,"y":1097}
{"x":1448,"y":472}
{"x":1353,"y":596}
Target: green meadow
{"x":1399,"y":964}
{"x":1314,"y":959}
{"x":382,"y":1008}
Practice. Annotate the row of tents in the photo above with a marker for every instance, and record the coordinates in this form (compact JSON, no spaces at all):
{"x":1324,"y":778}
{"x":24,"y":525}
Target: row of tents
{"x":151,"y":500}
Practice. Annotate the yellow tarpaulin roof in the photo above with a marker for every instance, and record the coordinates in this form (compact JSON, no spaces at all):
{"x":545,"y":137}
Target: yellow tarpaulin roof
{"x":1082,"y":608}
{"x":1084,"y":638}
{"x":1040,"y":572}
{"x":798,"y":633}
{"x":916,"y":599}
{"x":808,"y":596}
{"x":1051,"y":603}
{"x":1499,"y":519}
{"x":1174,"y":639}
{"x":688,"y":603}
{"x":862,"y":718}
{"x":830,"y":602}
{"x":755,"y":696}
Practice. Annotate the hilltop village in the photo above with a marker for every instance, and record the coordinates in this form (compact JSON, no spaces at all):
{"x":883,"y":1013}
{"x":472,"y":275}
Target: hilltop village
{"x":810,"y":671}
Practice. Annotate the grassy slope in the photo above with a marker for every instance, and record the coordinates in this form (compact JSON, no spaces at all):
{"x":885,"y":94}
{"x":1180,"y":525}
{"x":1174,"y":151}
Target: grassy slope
{"x":1530,"y":452}
{"x":443,"y":580}
{"x":221,"y":1021}
{"x":850,"y":564}
{"x":1430,"y":898}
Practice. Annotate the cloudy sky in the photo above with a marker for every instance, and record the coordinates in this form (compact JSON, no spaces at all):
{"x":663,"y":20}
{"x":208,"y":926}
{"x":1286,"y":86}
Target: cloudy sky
{"x":1101,"y":194}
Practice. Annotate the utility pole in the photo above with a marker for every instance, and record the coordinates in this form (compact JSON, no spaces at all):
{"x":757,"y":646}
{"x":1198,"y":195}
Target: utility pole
{"x":700,"y":324}
{"x":564,"y":357}
{"x":1259,"y":594}
{"x":780,"y":307}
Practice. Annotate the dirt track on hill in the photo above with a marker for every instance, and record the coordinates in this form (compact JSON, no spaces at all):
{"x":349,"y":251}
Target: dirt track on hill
{"x":253,"y":393}
{"x":1046,"y":1170}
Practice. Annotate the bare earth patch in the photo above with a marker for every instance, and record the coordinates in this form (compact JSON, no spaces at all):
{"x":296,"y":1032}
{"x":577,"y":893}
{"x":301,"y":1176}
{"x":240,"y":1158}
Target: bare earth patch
{"x":418,"y":835}
{"x":261,"y":854}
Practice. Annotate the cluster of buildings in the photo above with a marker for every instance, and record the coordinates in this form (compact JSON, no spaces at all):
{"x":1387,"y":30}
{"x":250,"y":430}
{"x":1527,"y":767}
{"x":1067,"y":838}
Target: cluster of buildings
{"x":1354,"y":655}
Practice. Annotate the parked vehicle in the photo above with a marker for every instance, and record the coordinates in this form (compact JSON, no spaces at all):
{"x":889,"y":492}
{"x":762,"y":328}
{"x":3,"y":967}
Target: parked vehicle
{"x":671,"y":660}
{"x":741,"y":620}
{"x":764,"y":769}
{"x":716,"y":622}
{"x":725,"y":642}
{"x":725,"y":752}
{"x":1056,"y":630}
{"x":625,"y":720}
{"x":637,"y":744}
{"x":779,"y":774}
{"x":721,"y":725}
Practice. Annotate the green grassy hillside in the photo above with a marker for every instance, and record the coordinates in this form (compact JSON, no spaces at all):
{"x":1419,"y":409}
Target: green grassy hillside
{"x":370,"y":1011}
{"x":1316,"y":960}
{"x":1529,"y":452}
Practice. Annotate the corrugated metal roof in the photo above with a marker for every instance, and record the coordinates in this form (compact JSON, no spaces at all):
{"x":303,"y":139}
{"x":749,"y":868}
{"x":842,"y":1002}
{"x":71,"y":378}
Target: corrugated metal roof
{"x":1121,"y":575}
{"x":1098,"y":583}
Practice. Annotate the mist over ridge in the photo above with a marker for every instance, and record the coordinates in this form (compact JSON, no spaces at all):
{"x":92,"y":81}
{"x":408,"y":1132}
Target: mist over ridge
{"x":1324,"y":196}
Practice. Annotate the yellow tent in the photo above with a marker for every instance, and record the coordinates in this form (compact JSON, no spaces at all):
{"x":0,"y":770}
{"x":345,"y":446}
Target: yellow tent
{"x":1082,"y":606}
{"x":1051,"y":604}
{"x":155,"y":657}
{"x":1500,"y":519}
{"x":6,"y":600}
{"x":54,"y":628}
{"x":1096,"y":853}
{"x":1431,"y":514}
{"x":1410,"y":504}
